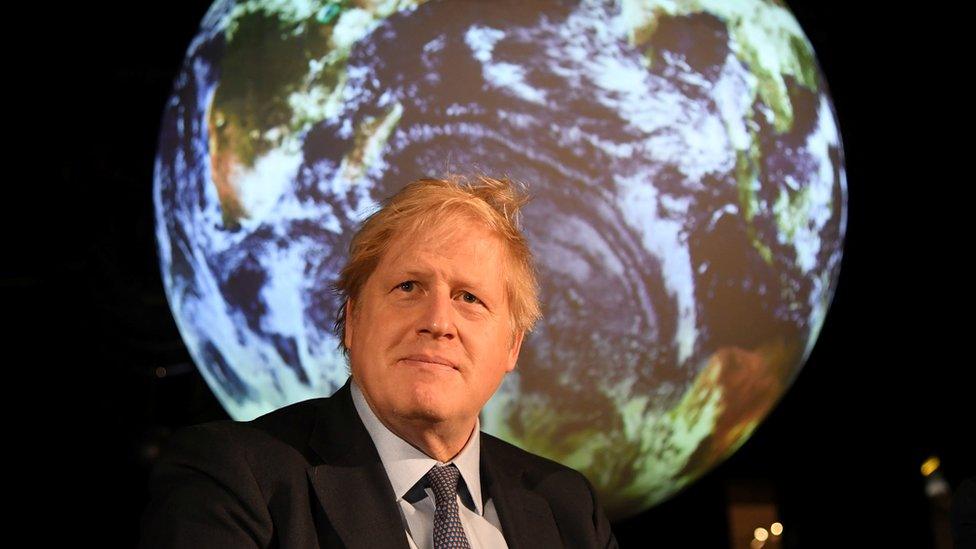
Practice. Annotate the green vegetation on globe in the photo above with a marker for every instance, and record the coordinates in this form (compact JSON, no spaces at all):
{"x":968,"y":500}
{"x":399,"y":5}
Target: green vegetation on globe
{"x":688,"y":217}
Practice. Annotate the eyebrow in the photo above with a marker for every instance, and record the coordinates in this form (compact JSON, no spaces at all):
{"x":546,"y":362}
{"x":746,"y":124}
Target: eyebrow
{"x":426,"y":274}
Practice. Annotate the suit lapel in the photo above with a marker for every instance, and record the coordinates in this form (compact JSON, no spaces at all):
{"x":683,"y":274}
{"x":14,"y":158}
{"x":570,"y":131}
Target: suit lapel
{"x":358,"y":499}
{"x":526,"y":519}
{"x":351,"y":483}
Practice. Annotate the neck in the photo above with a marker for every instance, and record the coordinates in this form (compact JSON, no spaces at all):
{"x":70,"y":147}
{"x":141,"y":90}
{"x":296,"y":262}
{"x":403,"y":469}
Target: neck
{"x":441,"y":441}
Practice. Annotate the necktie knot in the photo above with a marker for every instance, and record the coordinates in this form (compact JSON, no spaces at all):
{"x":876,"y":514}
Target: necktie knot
{"x":448,"y":532}
{"x":444,"y":481}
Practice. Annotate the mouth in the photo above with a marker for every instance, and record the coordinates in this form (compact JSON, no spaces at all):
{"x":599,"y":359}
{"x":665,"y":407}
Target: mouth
{"x":429,"y":360}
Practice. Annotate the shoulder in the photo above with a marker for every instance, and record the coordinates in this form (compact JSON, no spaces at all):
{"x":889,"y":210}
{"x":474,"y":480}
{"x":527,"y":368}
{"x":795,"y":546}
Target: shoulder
{"x":288,"y":426}
{"x":230,"y":484}
{"x":264,"y":446}
{"x":569,"y":494}
{"x":509,"y":453}
{"x":542,"y":474}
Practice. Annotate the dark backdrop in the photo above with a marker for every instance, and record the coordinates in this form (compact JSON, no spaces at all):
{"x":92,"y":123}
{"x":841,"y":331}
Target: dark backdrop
{"x":886,"y":386}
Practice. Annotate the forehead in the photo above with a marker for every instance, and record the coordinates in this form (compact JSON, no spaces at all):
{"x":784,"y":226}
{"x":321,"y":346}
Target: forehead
{"x":456,"y":248}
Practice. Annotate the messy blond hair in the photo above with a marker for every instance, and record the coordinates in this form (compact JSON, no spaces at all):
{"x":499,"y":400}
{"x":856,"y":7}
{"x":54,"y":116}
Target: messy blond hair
{"x":419,"y":205}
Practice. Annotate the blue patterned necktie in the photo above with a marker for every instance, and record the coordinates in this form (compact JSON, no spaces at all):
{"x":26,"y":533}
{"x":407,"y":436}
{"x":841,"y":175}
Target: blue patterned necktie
{"x":448,"y":533}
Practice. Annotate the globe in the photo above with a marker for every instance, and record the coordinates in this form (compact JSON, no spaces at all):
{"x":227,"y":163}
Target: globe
{"x":688,"y":215}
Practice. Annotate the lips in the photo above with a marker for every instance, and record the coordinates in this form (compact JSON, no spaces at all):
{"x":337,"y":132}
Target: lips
{"x":434,"y":359}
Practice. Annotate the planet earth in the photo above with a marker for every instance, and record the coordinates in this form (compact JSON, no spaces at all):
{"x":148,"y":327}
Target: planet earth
{"x":688,"y":215}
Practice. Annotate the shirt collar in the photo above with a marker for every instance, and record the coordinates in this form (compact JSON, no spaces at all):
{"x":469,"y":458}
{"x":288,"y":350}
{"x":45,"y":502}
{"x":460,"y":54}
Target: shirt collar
{"x":406,"y":465}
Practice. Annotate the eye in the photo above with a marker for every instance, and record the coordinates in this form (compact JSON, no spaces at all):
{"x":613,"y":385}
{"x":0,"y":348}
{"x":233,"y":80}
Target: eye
{"x":469,"y":297}
{"x":407,"y":286}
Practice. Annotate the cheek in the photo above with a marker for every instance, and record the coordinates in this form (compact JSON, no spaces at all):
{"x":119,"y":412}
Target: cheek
{"x":493,"y":352}
{"x":388,"y":332}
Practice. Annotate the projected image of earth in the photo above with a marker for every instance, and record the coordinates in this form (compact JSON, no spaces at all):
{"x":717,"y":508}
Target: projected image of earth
{"x":688,"y":215}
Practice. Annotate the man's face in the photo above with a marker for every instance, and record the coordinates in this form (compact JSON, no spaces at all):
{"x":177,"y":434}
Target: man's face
{"x":429,"y":336}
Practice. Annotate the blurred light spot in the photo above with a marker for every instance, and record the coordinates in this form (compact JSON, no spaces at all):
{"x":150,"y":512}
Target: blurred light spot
{"x":761,"y":534}
{"x":756,"y":544}
{"x":776,"y":528}
{"x":936,"y":486}
{"x":160,"y":372}
{"x":930,"y":466}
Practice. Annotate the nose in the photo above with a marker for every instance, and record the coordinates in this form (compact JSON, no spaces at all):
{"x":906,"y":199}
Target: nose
{"x":437,"y":318}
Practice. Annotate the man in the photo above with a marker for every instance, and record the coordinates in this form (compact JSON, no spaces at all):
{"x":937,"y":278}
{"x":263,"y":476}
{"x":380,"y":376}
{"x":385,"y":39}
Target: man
{"x":439,"y":292}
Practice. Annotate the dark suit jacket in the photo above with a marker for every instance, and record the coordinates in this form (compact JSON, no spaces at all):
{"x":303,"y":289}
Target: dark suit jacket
{"x":963,"y":517}
{"x":308,"y":475}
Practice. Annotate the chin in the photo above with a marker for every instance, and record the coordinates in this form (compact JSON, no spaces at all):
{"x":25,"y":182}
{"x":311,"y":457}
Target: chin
{"x":428,"y":404}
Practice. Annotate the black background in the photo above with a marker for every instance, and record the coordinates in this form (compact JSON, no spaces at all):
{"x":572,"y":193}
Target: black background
{"x":887,"y":385}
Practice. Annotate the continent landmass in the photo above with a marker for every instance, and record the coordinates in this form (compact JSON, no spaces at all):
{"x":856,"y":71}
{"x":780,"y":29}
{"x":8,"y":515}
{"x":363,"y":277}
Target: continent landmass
{"x":283,"y":71}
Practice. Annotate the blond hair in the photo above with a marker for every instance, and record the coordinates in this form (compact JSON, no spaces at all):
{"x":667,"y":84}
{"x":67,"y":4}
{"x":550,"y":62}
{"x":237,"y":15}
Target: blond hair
{"x":494,"y":202}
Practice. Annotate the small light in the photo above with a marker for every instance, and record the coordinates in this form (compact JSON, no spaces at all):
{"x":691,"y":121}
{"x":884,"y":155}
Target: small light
{"x":756,"y":544}
{"x":761,"y":534}
{"x":776,"y":529}
{"x":930,"y":466}
{"x":160,"y":372}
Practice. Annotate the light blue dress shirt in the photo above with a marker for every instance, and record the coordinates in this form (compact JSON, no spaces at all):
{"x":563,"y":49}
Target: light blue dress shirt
{"x":406,"y":467}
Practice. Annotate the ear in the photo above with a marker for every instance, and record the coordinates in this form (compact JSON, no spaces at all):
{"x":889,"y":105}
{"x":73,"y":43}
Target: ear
{"x":514,"y":352}
{"x":347,"y":325}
